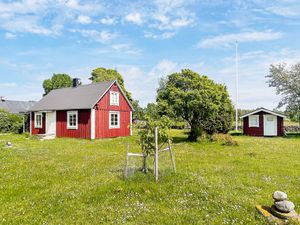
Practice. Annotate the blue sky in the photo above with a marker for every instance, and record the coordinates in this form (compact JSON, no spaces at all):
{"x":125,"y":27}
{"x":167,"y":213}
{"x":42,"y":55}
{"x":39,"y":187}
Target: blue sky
{"x":146,"y":40}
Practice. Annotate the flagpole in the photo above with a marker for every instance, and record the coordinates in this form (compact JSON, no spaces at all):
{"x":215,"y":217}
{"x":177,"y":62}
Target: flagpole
{"x":236,"y":85}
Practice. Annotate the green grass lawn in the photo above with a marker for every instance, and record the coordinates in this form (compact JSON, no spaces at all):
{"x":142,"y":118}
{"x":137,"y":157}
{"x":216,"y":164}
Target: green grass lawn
{"x":71,"y":181}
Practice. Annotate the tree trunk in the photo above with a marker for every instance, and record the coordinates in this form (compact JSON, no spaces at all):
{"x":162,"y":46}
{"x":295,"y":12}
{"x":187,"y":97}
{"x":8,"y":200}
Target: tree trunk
{"x":195,"y":132}
{"x":145,"y":169}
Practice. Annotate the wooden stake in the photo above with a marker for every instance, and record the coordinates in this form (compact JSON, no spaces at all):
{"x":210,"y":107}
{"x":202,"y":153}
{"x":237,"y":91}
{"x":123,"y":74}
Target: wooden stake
{"x":172,"y":157}
{"x":156,"y":154}
{"x":126,"y":163}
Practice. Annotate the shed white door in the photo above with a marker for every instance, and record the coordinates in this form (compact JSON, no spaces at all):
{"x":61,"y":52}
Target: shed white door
{"x":51,"y":123}
{"x":270,"y":125}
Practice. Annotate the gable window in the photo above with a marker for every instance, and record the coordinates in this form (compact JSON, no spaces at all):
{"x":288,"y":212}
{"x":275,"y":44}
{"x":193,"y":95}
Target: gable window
{"x":72,"y":120}
{"x":38,"y":120}
{"x":114,"y":98}
{"x":114,"y":120}
{"x":254,"y":121}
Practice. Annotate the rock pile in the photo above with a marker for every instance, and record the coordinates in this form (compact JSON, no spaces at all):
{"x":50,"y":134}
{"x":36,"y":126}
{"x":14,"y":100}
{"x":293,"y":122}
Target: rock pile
{"x":283,"y":208}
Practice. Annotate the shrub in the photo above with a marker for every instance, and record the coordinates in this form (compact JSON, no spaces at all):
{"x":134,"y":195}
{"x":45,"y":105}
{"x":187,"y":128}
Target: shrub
{"x":224,"y":139}
{"x":10,"y":123}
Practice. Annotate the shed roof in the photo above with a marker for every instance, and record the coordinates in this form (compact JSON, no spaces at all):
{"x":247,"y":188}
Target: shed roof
{"x":16,"y":106}
{"x":81,"y":97}
{"x":263,"y":110}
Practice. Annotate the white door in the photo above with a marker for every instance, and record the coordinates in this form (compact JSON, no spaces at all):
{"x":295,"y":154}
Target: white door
{"x":51,"y":123}
{"x":270,"y":125}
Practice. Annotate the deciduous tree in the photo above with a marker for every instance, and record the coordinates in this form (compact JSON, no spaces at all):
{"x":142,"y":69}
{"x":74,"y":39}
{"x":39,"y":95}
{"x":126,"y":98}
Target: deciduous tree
{"x":287,"y":83}
{"x":195,"y":98}
{"x":57,"y":81}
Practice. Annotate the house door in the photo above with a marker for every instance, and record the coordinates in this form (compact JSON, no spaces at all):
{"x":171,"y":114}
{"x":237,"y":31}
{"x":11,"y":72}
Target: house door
{"x":51,"y":123}
{"x":270,"y":125}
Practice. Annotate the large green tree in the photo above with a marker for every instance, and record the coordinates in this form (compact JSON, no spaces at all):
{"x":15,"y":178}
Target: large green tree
{"x":103,"y":74}
{"x":59,"y":80}
{"x":195,"y":98}
{"x":287,"y":83}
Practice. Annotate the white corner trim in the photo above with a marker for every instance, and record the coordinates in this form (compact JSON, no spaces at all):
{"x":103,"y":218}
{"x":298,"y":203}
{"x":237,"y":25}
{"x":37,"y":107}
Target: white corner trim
{"x":93,"y":124}
{"x":130,"y":123}
{"x":68,"y":120}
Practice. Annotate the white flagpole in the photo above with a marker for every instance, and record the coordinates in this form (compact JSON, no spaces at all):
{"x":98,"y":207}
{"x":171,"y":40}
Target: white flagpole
{"x":237,"y":85}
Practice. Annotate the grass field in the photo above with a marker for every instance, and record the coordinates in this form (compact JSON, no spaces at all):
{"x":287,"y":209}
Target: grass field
{"x":67,"y":181}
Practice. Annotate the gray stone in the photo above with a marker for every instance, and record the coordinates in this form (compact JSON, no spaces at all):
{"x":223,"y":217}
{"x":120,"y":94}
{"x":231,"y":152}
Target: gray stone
{"x":279,"y":196}
{"x":285,"y":216}
{"x":284,"y":206}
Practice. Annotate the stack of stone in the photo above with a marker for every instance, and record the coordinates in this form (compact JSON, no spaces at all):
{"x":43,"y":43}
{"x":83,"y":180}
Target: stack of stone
{"x":283,"y":208}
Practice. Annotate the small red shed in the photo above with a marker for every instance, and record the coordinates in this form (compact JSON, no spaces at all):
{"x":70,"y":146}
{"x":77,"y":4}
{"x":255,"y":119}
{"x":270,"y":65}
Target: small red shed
{"x":98,"y":110}
{"x":263,"y":122}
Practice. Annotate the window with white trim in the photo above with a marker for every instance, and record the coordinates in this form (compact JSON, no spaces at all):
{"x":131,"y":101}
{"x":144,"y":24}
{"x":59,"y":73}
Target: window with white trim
{"x":114,"y":98}
{"x":114,"y":120}
{"x":72,"y":120}
{"x":38,"y":120}
{"x":254,"y":121}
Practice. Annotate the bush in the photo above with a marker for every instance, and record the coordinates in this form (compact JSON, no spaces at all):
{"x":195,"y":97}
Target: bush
{"x":10,"y":123}
{"x":224,"y":139}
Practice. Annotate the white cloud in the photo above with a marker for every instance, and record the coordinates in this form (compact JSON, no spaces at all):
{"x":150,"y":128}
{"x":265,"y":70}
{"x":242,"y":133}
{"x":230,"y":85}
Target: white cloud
{"x":108,"y":21}
{"x":134,"y":17}
{"x":164,"y":35}
{"x":84,"y":19}
{"x":229,"y":39}
{"x":125,"y":48}
{"x":8,"y":85}
{"x":10,"y":36}
{"x":99,"y":36}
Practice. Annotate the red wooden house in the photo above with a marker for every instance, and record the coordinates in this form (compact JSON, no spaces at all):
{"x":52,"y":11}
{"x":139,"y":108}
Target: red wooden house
{"x":263,"y":122}
{"x":99,"y":110}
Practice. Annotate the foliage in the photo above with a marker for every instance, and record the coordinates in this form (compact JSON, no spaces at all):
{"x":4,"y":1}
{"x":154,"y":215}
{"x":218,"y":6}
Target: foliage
{"x":196,"y":99}
{"x":221,"y":121}
{"x":103,"y":74}
{"x":10,"y":123}
{"x":287,"y":83}
{"x":138,"y":113}
{"x":224,"y":139}
{"x":59,"y":182}
{"x":152,"y":111}
{"x":59,"y":80}
{"x":147,"y":133}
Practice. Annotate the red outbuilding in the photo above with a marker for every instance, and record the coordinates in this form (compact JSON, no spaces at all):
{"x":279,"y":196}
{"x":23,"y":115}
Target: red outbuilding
{"x":263,"y":122}
{"x":98,"y":110}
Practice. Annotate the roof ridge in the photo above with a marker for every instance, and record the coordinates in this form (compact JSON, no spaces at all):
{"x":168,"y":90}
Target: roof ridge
{"x":83,"y":85}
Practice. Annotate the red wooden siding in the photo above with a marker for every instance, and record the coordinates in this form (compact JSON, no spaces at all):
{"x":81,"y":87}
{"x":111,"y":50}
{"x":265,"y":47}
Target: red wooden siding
{"x":35,"y":131}
{"x":259,"y":131}
{"x":280,"y":127}
{"x":84,"y":125}
{"x":102,"y":116}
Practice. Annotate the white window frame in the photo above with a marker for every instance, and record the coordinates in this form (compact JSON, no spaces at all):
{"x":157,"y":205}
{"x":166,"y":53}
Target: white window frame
{"x":114,"y":98}
{"x":36,"y":125}
{"x":257,"y":119}
{"x":72,"y":127}
{"x":114,"y":126}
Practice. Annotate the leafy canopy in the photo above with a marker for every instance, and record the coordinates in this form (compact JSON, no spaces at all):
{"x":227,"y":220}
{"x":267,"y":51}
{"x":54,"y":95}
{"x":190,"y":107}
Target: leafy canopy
{"x":57,"y":81}
{"x":194,"y":98}
{"x":103,"y":74}
{"x":287,"y":83}
{"x":147,"y":133}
